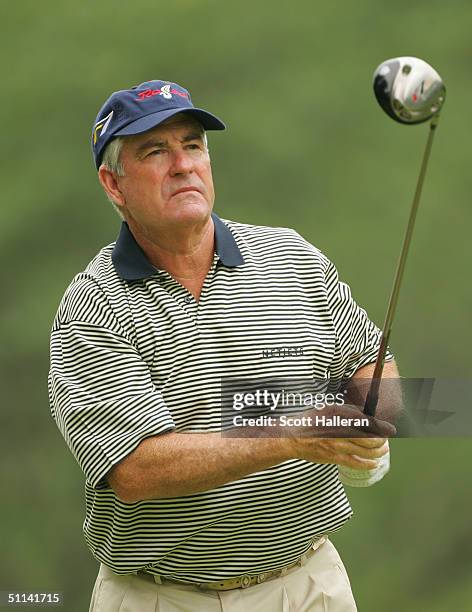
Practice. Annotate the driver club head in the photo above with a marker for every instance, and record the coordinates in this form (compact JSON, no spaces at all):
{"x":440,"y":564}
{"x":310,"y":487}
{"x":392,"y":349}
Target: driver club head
{"x":408,"y":89}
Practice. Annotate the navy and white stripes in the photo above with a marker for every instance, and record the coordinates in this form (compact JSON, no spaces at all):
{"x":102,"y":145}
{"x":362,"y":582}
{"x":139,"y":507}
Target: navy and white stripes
{"x":133,"y":355}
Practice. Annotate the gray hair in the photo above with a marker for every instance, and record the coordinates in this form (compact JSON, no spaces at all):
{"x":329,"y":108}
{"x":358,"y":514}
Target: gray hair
{"x":111,"y":156}
{"x":111,"y":160}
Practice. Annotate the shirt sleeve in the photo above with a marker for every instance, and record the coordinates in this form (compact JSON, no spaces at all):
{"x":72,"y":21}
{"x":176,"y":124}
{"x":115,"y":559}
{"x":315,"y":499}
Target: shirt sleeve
{"x":357,"y":337}
{"x":101,"y":393}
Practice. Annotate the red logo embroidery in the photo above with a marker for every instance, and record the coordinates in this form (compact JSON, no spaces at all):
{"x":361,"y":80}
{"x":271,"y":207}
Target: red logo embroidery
{"x":148,"y":93}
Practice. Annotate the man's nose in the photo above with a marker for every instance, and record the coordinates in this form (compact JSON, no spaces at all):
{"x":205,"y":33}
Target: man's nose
{"x":181,"y":162}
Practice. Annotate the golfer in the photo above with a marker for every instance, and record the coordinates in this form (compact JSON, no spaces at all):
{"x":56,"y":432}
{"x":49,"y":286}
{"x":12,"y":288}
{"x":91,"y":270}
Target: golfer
{"x":182,"y":513}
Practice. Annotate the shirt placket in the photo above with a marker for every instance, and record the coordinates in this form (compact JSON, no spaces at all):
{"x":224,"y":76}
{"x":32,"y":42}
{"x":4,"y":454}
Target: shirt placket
{"x":204,"y":294}
{"x":183,"y":297}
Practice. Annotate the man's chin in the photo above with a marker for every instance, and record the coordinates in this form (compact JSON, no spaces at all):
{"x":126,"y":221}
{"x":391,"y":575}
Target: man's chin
{"x":190,"y":209}
{"x":191,"y":205}
{"x":188,"y":198}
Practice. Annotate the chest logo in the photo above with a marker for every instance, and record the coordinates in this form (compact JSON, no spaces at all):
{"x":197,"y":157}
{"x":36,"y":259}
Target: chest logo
{"x":282,"y":351}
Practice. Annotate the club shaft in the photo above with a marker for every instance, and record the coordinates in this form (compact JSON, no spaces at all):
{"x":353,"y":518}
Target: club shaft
{"x":373,"y":394}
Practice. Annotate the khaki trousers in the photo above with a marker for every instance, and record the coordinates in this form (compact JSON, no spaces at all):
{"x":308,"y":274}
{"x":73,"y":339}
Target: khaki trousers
{"x":320,"y":585}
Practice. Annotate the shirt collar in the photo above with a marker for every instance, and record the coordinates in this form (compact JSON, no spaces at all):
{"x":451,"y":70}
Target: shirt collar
{"x":131,"y":263}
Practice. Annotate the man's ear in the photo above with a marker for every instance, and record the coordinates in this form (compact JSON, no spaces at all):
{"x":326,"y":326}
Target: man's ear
{"x":109,"y":181}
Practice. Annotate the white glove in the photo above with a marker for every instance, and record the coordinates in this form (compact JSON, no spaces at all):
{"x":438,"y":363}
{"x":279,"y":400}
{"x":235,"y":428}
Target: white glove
{"x":365,"y":478}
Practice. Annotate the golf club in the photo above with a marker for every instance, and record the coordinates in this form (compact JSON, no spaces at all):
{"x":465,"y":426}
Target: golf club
{"x":410,"y":91}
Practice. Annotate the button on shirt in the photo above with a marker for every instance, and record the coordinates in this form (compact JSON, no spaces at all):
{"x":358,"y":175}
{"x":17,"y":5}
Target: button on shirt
{"x":133,"y":355}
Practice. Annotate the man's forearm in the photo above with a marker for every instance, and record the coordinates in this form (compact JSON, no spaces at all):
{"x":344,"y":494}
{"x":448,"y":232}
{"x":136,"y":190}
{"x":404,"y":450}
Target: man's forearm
{"x":174,"y":464}
{"x":390,"y":402}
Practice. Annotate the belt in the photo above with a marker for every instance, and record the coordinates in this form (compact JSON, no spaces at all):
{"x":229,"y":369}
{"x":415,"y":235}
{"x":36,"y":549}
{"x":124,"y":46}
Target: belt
{"x":246,"y":580}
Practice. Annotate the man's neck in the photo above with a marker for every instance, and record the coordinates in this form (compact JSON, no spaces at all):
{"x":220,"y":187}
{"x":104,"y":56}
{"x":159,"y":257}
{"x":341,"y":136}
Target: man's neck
{"x":188,"y":256}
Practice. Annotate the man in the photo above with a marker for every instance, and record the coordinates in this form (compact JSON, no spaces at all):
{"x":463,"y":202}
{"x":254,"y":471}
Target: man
{"x":180,"y":516}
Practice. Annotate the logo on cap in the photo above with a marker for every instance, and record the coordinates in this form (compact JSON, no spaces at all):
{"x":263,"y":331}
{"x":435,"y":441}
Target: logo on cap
{"x":103,"y":124}
{"x":166,"y":92}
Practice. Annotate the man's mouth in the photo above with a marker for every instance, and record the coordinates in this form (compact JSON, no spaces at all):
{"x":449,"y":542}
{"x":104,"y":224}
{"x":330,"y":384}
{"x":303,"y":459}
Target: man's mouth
{"x":185,"y":189}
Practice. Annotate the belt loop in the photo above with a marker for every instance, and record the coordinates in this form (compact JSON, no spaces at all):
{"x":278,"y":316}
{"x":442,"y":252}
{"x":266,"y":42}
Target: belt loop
{"x":157,"y":579}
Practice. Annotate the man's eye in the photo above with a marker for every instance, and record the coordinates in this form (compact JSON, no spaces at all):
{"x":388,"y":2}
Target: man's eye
{"x":156,"y":152}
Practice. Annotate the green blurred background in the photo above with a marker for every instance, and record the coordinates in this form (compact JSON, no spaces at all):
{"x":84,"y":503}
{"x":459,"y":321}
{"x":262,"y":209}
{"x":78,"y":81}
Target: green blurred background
{"x":306,"y":147}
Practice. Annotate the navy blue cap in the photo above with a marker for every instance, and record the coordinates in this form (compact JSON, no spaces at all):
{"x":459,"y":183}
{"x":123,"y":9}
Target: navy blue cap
{"x":142,"y":107}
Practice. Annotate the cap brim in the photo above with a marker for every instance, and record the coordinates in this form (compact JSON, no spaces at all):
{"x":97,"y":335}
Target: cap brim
{"x":207,"y":120}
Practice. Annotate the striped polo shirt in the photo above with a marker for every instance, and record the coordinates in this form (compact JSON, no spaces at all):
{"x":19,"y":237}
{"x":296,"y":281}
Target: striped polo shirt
{"x":133,"y":354}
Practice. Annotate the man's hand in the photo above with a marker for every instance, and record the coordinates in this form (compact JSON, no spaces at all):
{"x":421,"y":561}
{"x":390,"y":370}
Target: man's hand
{"x":364,"y":478}
{"x":353,"y":447}
{"x":357,"y":453}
